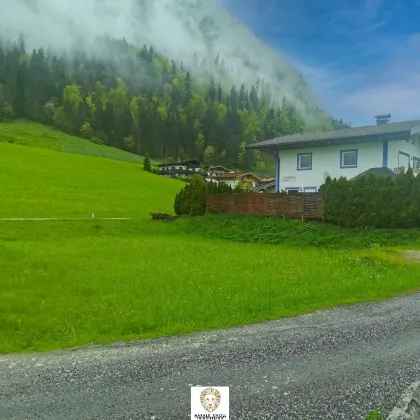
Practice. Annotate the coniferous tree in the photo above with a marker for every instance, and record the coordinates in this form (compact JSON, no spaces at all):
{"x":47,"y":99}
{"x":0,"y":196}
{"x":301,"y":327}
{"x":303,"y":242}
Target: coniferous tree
{"x":147,"y":165}
{"x":137,"y":99}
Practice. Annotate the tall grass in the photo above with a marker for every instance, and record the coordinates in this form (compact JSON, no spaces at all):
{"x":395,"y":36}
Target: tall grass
{"x":277,"y":231}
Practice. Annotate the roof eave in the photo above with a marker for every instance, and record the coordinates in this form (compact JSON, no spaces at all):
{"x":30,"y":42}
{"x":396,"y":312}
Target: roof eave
{"x":415,"y":130}
{"x":329,"y":142}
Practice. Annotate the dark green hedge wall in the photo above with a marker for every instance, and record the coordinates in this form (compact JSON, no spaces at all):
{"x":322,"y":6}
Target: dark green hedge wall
{"x":373,"y":201}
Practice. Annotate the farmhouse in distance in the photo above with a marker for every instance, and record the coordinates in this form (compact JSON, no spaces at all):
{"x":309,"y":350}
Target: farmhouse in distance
{"x":216,"y":173}
{"x":305,"y":160}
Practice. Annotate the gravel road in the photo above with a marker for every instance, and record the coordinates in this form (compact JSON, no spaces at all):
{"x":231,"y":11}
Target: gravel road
{"x":335,"y":364}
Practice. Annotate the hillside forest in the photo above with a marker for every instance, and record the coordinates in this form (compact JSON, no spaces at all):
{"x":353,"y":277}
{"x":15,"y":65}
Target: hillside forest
{"x":140,"y":101}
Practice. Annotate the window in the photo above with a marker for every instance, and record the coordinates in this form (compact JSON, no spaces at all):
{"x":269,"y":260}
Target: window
{"x":304,"y":161}
{"x":348,"y":158}
{"x":292,"y":190}
{"x":310,"y":189}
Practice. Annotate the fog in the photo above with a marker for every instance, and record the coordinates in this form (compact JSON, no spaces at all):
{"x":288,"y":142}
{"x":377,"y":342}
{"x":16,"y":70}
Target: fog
{"x":178,"y":29}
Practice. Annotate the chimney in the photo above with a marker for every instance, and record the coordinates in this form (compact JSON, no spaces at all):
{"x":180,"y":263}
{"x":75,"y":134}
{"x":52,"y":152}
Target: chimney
{"x":382,"y":119}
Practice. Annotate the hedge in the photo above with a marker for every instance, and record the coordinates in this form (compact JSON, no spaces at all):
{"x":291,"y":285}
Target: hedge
{"x":375,"y":201}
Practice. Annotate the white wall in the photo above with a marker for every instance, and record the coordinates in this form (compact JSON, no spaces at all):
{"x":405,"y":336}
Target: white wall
{"x":172,"y":167}
{"x":326,"y":161}
{"x":231,"y":182}
{"x":396,"y":159}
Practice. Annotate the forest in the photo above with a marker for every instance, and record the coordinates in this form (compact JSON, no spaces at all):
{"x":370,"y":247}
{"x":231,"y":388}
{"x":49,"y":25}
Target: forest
{"x":138,"y":100}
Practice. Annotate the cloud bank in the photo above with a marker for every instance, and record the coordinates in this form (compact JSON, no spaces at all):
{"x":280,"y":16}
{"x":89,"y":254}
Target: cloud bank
{"x":180,"y":29}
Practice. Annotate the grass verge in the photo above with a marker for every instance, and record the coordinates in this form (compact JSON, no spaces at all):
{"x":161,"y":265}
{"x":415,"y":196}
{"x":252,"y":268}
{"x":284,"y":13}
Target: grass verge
{"x":380,"y":413}
{"x":276,"y":231}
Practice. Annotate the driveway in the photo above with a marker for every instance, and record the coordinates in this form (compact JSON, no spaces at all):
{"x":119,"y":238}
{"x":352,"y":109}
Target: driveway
{"x":335,"y":364}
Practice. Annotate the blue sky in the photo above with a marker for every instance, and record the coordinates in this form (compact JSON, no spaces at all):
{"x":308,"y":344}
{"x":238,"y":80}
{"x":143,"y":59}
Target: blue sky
{"x":361,"y":57}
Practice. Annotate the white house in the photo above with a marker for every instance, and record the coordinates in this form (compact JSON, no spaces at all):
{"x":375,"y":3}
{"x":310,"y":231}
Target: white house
{"x":218,"y":170}
{"x":245,"y":180}
{"x":304,"y":160}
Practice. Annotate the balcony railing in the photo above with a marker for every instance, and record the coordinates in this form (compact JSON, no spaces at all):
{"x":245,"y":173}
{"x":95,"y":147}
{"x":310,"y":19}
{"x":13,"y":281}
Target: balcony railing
{"x":187,"y":172}
{"x":401,"y":170}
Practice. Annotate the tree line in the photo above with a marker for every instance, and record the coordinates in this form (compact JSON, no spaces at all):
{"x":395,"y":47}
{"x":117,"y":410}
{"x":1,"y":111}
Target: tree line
{"x":139,"y":100}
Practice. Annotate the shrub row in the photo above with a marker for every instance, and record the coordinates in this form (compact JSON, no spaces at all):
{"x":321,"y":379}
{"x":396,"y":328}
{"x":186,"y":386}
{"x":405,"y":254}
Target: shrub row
{"x":373,"y":201}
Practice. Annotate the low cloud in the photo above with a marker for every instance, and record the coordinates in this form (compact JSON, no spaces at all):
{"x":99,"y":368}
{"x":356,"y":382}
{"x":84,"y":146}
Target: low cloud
{"x":191,"y":31}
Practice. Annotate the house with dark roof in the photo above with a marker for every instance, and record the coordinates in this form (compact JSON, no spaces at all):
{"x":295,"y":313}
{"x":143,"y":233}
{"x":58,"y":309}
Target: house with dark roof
{"x":179,"y":168}
{"x":305,"y":160}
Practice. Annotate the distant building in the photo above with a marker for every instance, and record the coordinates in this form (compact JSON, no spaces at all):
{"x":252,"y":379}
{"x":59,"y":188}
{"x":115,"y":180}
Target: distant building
{"x":305,"y":160}
{"x":179,"y":168}
{"x":218,"y":170}
{"x":246,"y":180}
{"x":266,"y":185}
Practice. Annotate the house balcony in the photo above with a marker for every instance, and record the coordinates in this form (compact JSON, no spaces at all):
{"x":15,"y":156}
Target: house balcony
{"x":402,"y":169}
{"x":182,"y":172}
{"x":399,"y":169}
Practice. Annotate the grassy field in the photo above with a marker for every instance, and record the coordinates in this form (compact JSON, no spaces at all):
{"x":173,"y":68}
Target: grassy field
{"x":37,"y":182}
{"x":29,"y":133}
{"x":74,"y":282}
{"x":78,"y":282}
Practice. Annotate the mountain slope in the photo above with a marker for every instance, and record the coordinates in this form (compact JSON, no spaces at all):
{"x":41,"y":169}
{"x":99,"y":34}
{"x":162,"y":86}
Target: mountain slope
{"x":201,"y":33}
{"x":29,"y":133}
{"x":42,"y":183}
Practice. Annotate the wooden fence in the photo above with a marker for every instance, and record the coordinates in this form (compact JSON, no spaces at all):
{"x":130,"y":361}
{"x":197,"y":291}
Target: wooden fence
{"x":309,"y":206}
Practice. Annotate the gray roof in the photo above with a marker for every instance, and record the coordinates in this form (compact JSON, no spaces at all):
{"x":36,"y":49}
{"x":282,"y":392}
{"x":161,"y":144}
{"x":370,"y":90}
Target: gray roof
{"x":264,"y":186}
{"x":373,"y":132}
{"x":376,"y":172}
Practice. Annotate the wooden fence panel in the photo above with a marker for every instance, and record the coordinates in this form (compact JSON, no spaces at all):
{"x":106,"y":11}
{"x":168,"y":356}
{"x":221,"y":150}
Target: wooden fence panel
{"x":299,"y":206}
{"x":314,"y":206}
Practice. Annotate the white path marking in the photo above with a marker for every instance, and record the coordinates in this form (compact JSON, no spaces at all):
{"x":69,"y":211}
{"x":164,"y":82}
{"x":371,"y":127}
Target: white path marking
{"x":69,"y":218}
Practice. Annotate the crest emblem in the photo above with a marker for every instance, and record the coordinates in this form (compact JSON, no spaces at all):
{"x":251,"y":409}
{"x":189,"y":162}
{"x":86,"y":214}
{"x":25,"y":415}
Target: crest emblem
{"x":210,"y":399}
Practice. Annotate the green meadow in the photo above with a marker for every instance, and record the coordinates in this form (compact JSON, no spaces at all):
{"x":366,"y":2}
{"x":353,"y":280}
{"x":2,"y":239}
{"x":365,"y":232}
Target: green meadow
{"x":65,"y":283}
{"x":37,"y":182}
{"x":29,"y":133}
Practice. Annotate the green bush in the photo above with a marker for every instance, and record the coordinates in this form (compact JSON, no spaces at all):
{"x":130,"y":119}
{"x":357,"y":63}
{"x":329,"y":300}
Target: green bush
{"x":191,"y":200}
{"x":373,"y":201}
